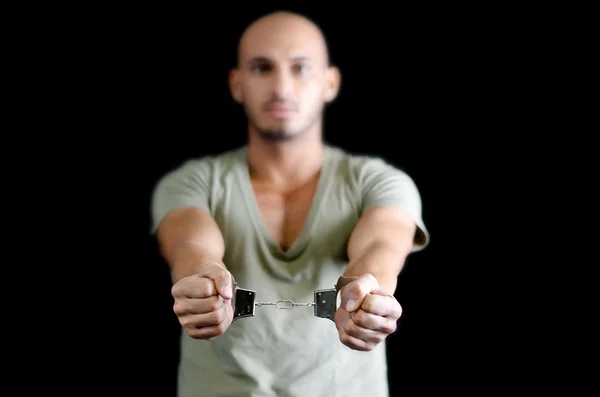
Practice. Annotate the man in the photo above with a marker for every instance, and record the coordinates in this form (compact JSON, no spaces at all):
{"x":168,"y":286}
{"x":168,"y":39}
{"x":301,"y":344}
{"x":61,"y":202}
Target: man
{"x":285,"y":215}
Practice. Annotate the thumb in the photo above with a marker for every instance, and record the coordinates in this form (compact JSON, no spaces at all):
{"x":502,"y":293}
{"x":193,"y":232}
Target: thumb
{"x":221,"y":277}
{"x":354,"y":293}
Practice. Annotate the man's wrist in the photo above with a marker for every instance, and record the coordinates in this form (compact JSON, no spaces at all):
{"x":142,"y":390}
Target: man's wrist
{"x":191,"y":260}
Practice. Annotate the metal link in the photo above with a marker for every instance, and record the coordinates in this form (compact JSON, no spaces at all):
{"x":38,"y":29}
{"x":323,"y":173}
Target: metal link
{"x":284,"y":304}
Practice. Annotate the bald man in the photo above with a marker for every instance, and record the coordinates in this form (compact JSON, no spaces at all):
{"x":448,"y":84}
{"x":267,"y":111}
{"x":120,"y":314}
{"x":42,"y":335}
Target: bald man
{"x":285,"y":215}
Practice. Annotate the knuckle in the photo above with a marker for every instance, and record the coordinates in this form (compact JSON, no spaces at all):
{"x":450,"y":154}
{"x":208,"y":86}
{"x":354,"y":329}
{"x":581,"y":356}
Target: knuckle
{"x":224,"y":277}
{"x":379,"y":337}
{"x":186,"y":322}
{"x":195,"y":333}
{"x":178,"y":307}
{"x":350,"y":329}
{"x":175,"y":290}
{"x":345,"y":339}
{"x":391,"y":327}
{"x":218,"y":317}
{"x":360,"y":318}
{"x":213,"y":303}
{"x":368,"y":303}
{"x":221,"y":328}
{"x":204,"y":286}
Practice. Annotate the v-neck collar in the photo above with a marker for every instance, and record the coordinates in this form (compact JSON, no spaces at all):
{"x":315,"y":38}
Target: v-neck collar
{"x":255,"y":214}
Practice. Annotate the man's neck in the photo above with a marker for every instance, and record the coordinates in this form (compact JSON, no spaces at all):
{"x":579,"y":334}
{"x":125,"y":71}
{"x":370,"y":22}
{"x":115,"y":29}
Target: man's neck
{"x":285,"y":164}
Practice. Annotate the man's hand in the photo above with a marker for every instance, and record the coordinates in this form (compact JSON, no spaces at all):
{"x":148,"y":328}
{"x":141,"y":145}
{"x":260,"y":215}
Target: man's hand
{"x":203,"y":302}
{"x":367,"y":314}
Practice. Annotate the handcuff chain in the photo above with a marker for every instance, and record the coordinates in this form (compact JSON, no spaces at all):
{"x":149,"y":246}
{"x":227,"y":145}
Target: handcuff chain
{"x":284,"y":304}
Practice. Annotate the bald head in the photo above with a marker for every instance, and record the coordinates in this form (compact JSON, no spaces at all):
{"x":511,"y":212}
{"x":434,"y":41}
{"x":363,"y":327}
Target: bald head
{"x":283,"y":78}
{"x":284,"y":30}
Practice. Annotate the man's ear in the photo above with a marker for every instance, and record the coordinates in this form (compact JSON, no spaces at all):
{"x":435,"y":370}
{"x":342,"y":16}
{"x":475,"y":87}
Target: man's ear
{"x":235,"y":86}
{"x":333,"y":80}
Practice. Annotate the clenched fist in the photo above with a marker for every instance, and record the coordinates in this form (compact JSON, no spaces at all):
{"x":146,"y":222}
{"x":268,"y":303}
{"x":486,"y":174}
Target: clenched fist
{"x":203,"y":302}
{"x":367,"y":314}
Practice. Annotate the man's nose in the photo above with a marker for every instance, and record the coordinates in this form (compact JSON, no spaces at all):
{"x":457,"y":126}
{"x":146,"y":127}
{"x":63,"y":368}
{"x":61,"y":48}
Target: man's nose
{"x":283,"y":83}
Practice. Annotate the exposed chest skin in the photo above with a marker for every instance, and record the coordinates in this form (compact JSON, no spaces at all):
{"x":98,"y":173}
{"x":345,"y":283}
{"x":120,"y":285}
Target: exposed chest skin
{"x":284,"y":213}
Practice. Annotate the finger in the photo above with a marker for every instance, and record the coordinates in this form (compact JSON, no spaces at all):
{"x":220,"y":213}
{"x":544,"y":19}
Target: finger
{"x":364,"y":334}
{"x":207,"y":333}
{"x":194,"y":287}
{"x":185,"y":307}
{"x":354,"y":293}
{"x":355,"y":343}
{"x":204,"y":320}
{"x":368,"y":321}
{"x":382,"y":305}
{"x":210,"y":332}
{"x":222,"y":279}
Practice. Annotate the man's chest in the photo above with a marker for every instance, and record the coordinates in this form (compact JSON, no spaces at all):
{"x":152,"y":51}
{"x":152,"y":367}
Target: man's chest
{"x":258,"y":221}
{"x":285,"y":213}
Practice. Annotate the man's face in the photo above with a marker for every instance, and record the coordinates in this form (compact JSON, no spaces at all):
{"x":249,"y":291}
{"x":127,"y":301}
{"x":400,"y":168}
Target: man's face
{"x":283,"y":81}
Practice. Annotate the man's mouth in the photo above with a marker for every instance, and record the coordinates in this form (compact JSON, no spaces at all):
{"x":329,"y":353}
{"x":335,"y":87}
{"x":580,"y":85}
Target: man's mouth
{"x":278,"y":111}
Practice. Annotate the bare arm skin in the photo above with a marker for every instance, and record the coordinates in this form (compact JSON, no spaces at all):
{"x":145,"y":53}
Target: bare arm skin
{"x":192,"y":244}
{"x":379,"y":245}
{"x":190,"y":238}
{"x":377,"y":250}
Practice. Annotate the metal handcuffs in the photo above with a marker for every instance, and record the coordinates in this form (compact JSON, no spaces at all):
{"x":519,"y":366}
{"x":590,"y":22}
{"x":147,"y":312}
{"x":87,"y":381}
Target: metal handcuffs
{"x":325,"y":301}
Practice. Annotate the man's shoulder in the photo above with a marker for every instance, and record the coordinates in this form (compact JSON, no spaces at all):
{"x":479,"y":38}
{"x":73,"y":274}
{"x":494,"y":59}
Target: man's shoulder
{"x":231,"y":155}
{"x":358,"y":163}
{"x":221,"y":162}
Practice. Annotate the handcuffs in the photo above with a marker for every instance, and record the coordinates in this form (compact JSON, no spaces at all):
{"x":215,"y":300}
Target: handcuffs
{"x":325,"y":301}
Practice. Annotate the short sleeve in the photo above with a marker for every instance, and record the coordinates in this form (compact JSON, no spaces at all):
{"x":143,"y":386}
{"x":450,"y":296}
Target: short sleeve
{"x":382,"y":184}
{"x":186,"y":186}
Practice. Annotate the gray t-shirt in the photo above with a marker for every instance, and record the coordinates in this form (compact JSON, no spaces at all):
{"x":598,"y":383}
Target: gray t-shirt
{"x":291,"y":352}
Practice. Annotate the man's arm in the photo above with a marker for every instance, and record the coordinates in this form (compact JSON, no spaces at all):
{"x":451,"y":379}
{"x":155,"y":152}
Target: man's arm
{"x":190,"y":238}
{"x":379,"y":245}
{"x":389,"y":229}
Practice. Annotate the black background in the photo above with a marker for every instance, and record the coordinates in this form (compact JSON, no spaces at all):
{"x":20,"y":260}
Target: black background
{"x":432,"y":90}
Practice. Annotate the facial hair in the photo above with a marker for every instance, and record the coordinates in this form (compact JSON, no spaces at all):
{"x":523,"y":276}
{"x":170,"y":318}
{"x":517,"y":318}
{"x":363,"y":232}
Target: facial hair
{"x":284,"y":135}
{"x":274,"y":135}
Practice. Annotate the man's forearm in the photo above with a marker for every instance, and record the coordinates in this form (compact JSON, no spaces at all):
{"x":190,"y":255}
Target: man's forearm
{"x":381,"y":260}
{"x":189,"y":238}
{"x":189,"y":258}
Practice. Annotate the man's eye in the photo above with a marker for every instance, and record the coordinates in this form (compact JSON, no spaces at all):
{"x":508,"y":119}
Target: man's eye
{"x":260,"y":68}
{"x":301,"y":68}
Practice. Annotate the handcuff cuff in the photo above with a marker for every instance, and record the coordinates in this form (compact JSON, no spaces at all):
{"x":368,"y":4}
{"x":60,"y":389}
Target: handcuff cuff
{"x":325,"y":301}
